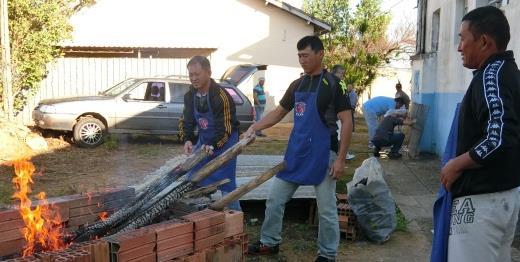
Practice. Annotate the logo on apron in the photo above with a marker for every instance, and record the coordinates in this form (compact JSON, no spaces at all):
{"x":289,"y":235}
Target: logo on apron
{"x":203,"y":123}
{"x":299,"y":108}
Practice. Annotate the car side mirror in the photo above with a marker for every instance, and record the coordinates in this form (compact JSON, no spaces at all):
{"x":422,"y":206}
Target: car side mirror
{"x":126,"y":97}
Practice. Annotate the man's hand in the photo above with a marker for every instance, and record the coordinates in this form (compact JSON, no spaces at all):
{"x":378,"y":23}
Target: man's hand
{"x":449,"y":174}
{"x":188,"y":148}
{"x":250,"y":131}
{"x":336,"y":170}
{"x":208,"y":149}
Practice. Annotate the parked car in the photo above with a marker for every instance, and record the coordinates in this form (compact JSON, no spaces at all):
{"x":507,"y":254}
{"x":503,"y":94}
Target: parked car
{"x":136,"y":105}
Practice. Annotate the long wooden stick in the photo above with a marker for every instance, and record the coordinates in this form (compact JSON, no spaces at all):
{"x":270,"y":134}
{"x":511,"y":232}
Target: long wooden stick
{"x":245,"y":188}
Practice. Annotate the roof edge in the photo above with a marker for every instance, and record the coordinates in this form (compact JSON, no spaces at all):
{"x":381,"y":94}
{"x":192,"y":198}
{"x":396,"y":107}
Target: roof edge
{"x":318,"y":24}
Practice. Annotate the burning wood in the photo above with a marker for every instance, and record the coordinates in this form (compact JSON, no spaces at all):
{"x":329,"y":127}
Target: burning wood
{"x":102,"y":227}
{"x":158,"y":207}
{"x":43,"y":228}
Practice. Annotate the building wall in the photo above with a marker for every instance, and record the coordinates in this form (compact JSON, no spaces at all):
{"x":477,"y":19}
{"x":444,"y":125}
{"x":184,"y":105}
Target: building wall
{"x":242,"y":31}
{"x":438,"y":78}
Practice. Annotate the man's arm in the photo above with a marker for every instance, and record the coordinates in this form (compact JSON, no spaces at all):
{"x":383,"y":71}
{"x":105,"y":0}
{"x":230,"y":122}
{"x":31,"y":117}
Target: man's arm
{"x":255,"y":97}
{"x":187,"y":124}
{"x":224,"y":112}
{"x":337,"y":168}
{"x":267,"y":121}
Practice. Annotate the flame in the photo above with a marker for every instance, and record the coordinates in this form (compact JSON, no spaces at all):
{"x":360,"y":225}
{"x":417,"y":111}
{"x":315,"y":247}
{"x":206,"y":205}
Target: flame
{"x":103,"y":215}
{"x":43,"y":225}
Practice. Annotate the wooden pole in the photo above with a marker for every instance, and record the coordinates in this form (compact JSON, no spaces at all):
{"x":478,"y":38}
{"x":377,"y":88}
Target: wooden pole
{"x":245,"y":188}
{"x":7,"y":95}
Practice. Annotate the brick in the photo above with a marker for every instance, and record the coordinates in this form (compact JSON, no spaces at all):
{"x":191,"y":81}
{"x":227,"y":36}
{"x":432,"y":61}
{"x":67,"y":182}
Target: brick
{"x":11,"y":224}
{"x":175,"y":241}
{"x":175,"y":252}
{"x":233,"y":252}
{"x":136,"y":252}
{"x":234,"y":221}
{"x":343,"y":221}
{"x":11,"y":247}
{"x":12,"y":234}
{"x":145,"y":258}
{"x":205,"y":218}
{"x":209,"y":231}
{"x":172,"y":229}
{"x":11,"y":214}
{"x":216,"y":254}
{"x":95,"y":208}
{"x":85,"y":219}
{"x":209,"y":241}
{"x":130,"y":240}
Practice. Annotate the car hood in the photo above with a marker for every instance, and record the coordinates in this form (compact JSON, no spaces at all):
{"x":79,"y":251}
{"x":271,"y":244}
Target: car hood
{"x":74,"y":99}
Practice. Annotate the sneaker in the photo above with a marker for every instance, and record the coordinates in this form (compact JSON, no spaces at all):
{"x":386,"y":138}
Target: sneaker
{"x":349,"y":156}
{"x":259,"y":249}
{"x":376,"y":151}
{"x":324,"y":259}
{"x":395,"y":155}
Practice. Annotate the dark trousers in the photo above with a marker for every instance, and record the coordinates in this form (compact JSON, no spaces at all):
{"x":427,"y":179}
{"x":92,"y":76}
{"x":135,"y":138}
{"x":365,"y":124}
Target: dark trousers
{"x":396,"y":141}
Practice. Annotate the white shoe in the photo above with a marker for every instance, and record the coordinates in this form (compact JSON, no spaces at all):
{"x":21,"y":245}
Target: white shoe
{"x":349,"y":156}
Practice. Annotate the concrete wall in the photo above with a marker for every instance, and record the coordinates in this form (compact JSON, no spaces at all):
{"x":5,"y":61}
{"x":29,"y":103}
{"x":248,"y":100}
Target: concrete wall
{"x":438,"y":78}
{"x":242,"y":31}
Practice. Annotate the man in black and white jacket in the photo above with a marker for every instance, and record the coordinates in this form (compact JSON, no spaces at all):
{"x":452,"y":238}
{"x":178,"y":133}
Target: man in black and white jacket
{"x":485,"y":174}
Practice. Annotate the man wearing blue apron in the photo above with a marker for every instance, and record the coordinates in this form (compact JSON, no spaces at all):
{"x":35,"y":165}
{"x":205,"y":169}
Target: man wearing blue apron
{"x":313,"y":156}
{"x":210,"y":109}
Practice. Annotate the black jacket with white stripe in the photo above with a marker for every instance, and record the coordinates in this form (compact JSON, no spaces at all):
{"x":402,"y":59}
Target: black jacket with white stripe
{"x":489,"y":128}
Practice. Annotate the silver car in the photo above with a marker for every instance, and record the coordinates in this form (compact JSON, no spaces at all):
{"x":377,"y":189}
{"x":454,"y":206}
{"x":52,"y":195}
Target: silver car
{"x":136,"y":105}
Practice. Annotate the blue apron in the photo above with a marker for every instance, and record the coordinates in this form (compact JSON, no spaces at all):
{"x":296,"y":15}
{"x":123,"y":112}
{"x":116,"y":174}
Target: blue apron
{"x":442,"y":206}
{"x":206,"y":125}
{"x":308,"y":151}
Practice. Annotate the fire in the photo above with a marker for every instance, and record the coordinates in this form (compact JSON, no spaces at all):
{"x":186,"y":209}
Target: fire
{"x":43,"y":225}
{"x":103,"y":215}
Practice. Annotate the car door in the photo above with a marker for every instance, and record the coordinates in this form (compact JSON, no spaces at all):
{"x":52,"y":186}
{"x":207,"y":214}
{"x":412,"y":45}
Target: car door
{"x":144,"y":107}
{"x":177,"y":91}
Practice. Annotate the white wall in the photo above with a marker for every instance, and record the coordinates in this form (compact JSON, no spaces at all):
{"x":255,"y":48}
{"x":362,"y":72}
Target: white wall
{"x":242,"y":31}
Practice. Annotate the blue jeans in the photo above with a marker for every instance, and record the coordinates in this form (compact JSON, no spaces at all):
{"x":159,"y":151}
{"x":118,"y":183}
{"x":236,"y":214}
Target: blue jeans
{"x":371,"y":120}
{"x":396,"y":141}
{"x":259,"y":112}
{"x":282,"y":191}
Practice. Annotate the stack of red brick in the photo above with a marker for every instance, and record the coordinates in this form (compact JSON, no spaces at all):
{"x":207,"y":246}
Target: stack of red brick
{"x":75,"y":210}
{"x":347,"y":219}
{"x":200,"y":236}
{"x":91,"y":251}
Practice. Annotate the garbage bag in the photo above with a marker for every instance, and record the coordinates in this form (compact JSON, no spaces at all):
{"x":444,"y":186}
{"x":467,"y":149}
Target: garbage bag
{"x":372,"y":202}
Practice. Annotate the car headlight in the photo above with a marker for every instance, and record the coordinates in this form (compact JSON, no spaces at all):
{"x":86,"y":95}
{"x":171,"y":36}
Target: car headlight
{"x":48,"y":109}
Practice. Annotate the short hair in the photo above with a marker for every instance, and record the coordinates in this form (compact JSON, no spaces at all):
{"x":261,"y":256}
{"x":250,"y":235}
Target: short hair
{"x":311,"y":40}
{"x":202,"y":61}
{"x":399,"y":100}
{"x":337,"y":67}
{"x":491,"y":21}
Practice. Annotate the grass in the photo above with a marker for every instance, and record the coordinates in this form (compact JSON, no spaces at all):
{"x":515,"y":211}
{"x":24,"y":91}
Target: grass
{"x":402,"y":223}
{"x":111,"y":142}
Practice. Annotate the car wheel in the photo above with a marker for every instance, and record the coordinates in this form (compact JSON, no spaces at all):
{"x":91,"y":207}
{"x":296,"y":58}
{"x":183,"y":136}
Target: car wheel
{"x":89,"y":132}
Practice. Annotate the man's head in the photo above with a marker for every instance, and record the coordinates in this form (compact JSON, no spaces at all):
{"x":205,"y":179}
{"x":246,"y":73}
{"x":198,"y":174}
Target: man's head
{"x":339,"y":71}
{"x":398,"y":86}
{"x":350,"y":87}
{"x":310,"y":54}
{"x":261,"y":81}
{"x":399,"y":102}
{"x":199,"y":70}
{"x":483,"y":32}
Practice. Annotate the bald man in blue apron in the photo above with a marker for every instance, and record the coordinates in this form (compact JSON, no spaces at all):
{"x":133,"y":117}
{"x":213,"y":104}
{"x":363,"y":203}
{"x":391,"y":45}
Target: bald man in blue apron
{"x":313,"y":156}
{"x":210,"y":109}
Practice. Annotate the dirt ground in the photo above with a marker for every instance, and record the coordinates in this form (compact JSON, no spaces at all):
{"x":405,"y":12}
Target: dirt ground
{"x":125,"y":160}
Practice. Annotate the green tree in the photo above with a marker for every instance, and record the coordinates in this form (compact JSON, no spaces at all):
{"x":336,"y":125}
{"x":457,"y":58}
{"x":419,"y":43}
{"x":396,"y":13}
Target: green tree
{"x":36,"y":28}
{"x":358,"y":39}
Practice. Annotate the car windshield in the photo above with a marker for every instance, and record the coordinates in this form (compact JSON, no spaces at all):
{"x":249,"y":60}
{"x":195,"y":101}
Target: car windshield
{"x":118,"y":88}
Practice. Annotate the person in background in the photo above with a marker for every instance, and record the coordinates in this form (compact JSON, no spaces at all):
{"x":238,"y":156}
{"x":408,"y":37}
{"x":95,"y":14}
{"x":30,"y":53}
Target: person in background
{"x":208,"y":107}
{"x":374,"y":108}
{"x":400,"y":93}
{"x":339,"y":72}
{"x":385,"y":135}
{"x":259,"y":100}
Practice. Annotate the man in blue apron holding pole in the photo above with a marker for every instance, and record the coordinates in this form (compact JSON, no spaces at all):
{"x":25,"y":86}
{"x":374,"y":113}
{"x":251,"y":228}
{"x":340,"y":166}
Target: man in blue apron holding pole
{"x":208,"y":107}
{"x":313,"y":156}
